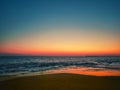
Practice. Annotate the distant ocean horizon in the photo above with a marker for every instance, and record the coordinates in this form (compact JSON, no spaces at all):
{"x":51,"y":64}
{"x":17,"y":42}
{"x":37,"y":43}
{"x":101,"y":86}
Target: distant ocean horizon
{"x":23,"y":65}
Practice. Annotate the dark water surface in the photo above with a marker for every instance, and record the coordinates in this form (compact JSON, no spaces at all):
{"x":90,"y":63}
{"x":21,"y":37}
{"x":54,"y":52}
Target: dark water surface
{"x":16,"y":65}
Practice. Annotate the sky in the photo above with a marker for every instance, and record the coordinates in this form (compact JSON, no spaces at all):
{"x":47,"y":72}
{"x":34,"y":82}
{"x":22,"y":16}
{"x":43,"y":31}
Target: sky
{"x":59,"y":27}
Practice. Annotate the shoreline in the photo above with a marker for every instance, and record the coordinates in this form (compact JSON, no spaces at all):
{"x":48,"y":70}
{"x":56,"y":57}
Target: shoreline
{"x":62,"y":71}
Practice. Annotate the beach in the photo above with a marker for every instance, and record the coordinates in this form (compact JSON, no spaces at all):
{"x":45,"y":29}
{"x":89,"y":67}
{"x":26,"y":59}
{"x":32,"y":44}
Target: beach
{"x":61,"y":81}
{"x":60,"y":45}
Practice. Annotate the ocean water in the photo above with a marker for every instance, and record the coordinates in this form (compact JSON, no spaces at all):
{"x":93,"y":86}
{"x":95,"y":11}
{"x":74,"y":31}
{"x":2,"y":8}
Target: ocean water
{"x":17,"y":65}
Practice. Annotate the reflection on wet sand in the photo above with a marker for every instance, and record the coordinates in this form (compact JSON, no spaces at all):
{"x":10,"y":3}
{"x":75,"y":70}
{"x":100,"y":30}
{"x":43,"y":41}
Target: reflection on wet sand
{"x":86,"y":71}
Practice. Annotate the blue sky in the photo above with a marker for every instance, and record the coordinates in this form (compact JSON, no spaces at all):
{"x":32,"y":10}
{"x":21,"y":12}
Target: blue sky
{"x":17,"y":15}
{"x":23,"y":17}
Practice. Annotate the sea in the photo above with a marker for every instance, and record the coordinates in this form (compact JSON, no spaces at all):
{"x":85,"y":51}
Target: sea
{"x":23,"y":65}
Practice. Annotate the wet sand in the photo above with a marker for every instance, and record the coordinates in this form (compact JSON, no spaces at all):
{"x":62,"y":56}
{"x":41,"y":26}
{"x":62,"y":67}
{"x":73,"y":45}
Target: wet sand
{"x":61,"y":82}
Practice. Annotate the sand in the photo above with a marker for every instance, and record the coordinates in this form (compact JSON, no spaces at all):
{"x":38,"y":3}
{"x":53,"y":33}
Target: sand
{"x":61,"y":82}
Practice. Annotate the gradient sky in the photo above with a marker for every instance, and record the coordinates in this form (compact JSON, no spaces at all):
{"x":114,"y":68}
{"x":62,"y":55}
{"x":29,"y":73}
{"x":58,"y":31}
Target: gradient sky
{"x":60,"y":27}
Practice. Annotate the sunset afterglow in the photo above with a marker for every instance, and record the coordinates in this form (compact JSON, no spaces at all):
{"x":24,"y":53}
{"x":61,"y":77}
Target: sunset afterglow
{"x":64,"y":42}
{"x":60,"y":28}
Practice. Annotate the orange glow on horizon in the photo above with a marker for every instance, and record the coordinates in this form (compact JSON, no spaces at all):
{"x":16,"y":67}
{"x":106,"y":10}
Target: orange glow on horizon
{"x":57,"y":53}
{"x":63,"y":42}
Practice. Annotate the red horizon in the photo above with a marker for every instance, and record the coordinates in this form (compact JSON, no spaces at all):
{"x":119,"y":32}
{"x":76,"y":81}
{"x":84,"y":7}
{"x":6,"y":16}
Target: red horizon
{"x":62,"y":54}
{"x":58,"y":53}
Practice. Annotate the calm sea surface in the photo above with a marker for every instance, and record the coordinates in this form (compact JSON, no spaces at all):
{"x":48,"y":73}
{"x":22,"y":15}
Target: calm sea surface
{"x":16,"y":65}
